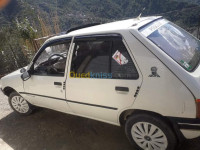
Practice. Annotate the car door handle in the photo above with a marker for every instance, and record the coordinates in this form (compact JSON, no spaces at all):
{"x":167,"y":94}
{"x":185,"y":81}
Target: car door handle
{"x":58,"y":83}
{"x":123,"y":89}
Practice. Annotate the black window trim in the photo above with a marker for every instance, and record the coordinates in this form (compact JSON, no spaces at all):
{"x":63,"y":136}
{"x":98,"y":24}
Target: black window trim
{"x":111,"y":35}
{"x":93,"y":36}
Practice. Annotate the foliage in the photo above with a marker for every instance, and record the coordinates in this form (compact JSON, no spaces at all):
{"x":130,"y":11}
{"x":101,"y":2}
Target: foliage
{"x":24,"y":20}
{"x":11,"y":53}
{"x":190,"y":1}
{"x":25,"y":29}
{"x":28,"y":34}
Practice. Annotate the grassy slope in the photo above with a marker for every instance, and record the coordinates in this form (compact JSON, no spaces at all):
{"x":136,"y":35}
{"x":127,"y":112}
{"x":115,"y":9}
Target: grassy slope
{"x":76,"y":12}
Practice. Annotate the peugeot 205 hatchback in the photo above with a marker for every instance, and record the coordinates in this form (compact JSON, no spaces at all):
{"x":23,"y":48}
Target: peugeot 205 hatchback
{"x":142,"y":73}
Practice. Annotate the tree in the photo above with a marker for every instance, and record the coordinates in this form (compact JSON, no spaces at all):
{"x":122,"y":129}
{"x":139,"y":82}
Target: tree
{"x":11,"y":55}
{"x":27,"y":32}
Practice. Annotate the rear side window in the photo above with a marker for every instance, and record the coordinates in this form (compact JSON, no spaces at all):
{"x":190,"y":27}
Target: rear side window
{"x":126,"y":68}
{"x":102,"y":57}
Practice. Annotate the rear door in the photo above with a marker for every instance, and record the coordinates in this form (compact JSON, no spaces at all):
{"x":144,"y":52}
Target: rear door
{"x":103,"y":77}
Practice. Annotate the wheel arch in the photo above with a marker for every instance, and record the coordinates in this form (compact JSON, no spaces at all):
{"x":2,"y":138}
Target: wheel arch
{"x":127,"y":113}
{"x":8,"y":90}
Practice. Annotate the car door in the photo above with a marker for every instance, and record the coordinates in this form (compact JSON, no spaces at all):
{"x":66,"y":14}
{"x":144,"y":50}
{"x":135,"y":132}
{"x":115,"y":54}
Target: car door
{"x":103,"y":78}
{"x":46,"y":87}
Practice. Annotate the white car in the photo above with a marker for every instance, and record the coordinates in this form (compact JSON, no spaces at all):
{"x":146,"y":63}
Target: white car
{"x":142,"y":73}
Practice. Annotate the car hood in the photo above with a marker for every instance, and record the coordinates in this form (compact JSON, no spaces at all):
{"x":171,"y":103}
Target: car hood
{"x":13,"y":80}
{"x":15,"y":73}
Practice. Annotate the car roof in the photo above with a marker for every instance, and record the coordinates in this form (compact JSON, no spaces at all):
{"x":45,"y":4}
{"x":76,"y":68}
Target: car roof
{"x":135,"y":24}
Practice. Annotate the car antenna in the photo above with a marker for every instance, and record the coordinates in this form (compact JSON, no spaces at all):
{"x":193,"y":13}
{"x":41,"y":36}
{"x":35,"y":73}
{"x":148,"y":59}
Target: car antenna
{"x":141,"y":13}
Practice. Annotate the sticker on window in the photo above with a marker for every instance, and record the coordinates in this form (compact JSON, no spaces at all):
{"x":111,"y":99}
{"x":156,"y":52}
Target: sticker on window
{"x":153,"y":27}
{"x":119,"y":58}
{"x":186,"y":65}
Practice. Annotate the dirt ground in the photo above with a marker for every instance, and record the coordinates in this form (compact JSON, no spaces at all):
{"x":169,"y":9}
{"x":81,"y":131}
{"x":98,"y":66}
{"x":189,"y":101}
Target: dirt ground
{"x":51,"y":130}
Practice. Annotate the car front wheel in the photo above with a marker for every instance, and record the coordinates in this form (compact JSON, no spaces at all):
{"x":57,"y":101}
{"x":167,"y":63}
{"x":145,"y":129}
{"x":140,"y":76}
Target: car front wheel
{"x":19,"y":104}
{"x":148,"y":132}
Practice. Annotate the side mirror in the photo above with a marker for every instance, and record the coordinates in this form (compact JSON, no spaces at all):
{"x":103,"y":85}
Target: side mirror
{"x":25,"y":76}
{"x":22,"y":70}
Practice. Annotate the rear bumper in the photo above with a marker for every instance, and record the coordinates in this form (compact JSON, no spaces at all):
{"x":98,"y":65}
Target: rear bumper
{"x":187,"y":123}
{"x":188,"y":128}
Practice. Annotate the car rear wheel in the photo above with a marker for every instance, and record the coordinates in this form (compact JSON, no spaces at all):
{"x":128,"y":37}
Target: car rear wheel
{"x":19,"y":104}
{"x":148,"y":132}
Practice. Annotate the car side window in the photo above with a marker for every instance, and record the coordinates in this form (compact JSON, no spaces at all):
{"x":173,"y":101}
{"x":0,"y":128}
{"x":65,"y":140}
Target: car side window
{"x":102,"y":57}
{"x":91,"y":56}
{"x":122,"y":66}
{"x":52,"y":61}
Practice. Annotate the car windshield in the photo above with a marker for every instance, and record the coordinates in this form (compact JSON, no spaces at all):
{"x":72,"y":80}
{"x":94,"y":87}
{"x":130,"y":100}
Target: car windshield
{"x":174,"y":41}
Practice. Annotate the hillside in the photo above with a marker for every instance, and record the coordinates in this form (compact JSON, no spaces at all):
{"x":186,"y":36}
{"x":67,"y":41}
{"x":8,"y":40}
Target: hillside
{"x":75,"y":12}
{"x":190,"y":1}
{"x":24,"y":20}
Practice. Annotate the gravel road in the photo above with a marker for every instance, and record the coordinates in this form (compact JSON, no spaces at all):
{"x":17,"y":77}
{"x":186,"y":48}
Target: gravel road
{"x":51,"y":130}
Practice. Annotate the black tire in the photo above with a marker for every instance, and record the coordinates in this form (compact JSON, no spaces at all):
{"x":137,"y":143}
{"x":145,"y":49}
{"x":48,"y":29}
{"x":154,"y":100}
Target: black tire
{"x":29,"y":107}
{"x":152,"y":121}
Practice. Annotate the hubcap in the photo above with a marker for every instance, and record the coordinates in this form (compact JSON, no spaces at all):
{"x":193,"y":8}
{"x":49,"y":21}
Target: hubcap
{"x":20,"y":104}
{"x":148,"y":136}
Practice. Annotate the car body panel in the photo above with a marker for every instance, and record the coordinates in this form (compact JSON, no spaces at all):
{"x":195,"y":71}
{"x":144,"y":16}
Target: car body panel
{"x":103,"y":95}
{"x":13,"y":80}
{"x":165,"y":94}
{"x":172,"y":92}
